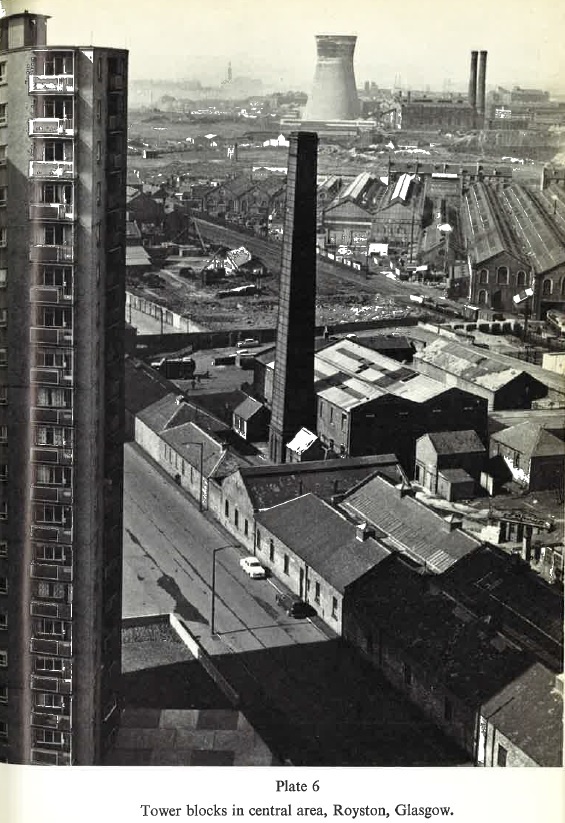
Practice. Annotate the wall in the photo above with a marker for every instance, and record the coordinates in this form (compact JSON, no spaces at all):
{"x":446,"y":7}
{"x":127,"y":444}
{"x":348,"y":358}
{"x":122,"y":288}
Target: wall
{"x":234,"y":493}
{"x":300,"y":578}
{"x":515,"y":756}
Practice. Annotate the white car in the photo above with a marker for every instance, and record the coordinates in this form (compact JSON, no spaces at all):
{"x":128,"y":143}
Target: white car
{"x":252,"y":567}
{"x":248,"y":343}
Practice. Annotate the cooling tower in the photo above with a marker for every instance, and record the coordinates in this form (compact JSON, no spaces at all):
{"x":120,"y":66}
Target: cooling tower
{"x":473,"y":80}
{"x":334,"y":93}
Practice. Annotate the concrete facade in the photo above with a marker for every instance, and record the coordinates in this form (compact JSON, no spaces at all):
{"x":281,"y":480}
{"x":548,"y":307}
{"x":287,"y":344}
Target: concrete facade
{"x":63,"y":256}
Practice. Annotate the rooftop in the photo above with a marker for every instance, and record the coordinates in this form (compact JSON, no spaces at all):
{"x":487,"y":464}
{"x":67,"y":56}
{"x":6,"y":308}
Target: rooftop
{"x":459,"y":442}
{"x":530,"y":439}
{"x":268,"y":485}
{"x":323,"y":538}
{"x":529,"y":712}
{"x":407,"y":525}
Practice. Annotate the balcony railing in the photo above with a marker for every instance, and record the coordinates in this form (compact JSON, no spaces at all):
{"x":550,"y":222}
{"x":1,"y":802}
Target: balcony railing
{"x":51,"y":211}
{"x":53,"y":295}
{"x":51,"y":83}
{"x":52,"y":254}
{"x":58,"y":169}
{"x":52,"y":126}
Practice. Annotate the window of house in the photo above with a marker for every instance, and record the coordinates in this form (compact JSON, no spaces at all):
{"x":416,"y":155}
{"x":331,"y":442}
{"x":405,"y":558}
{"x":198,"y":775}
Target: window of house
{"x":54,"y":398}
{"x":3,"y":237}
{"x":3,"y":195}
{"x":517,"y":460}
{"x":3,"y":357}
{"x":547,"y":287}
{"x":3,"y":548}
{"x":482,"y":298}
{"x":246,"y":527}
{"x":334,"y":608}
{"x":3,"y":69}
{"x":47,"y":551}
{"x":50,"y":591}
{"x":53,"y":151}
{"x":3,"y":395}
{"x":407,"y":674}
{"x":502,"y":276}
{"x":3,"y":729}
{"x":48,"y":737}
{"x":3,"y":585}
{"x":3,"y":658}
{"x":258,"y":540}
{"x":3,"y":516}
{"x":53,"y":475}
{"x":48,"y":626}
{"x":3,"y":694}
{"x":49,"y":700}
{"x":3,"y":318}
{"x":285,"y":564}
{"x":53,"y":436}
{"x":3,"y":113}
{"x":331,"y":414}
{"x":501,"y":756}
{"x":447,"y":709}
{"x":521,"y":278}
{"x":343,"y":421}
{"x":3,"y":472}
{"x":3,"y":621}
{"x":483,"y":276}
{"x":271,"y":550}
{"x":3,"y":278}
{"x":3,"y":154}
{"x":48,"y":664}
{"x":317,"y":592}
{"x":227,"y":508}
{"x":236,"y":518}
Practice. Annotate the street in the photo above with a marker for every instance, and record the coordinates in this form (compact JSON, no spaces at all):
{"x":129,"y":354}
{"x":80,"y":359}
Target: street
{"x":310,"y":697}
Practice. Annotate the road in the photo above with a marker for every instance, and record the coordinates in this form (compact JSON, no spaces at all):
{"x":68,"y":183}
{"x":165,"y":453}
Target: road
{"x":310,"y":697}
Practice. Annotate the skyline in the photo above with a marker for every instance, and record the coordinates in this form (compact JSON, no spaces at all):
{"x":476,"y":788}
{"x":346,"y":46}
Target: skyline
{"x":523,"y":43}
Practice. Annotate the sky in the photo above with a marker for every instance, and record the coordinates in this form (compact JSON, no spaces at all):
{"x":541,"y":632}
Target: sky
{"x":418,"y":43}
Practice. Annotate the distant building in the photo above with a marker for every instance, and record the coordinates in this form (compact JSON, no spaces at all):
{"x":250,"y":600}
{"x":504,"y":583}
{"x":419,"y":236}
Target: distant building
{"x":479,"y":373}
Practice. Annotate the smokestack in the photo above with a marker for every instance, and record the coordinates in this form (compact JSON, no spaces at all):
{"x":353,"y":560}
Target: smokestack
{"x":482,"y":84}
{"x":294,"y":398}
{"x":334,"y":91}
{"x":473,"y":80}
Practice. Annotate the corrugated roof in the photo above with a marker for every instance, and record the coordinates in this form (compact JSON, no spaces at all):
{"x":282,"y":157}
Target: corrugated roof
{"x":323,"y":538}
{"x":474,"y":365}
{"x":186,"y":440}
{"x":413,"y":528}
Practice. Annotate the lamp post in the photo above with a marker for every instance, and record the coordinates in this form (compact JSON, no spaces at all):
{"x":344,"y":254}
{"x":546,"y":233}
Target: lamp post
{"x":213,"y":608}
{"x":201,"y":447}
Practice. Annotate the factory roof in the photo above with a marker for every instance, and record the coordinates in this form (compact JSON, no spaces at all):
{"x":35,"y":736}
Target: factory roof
{"x":474,"y":365}
{"x":531,"y":440}
{"x":487,"y":239}
{"x":349,"y":374}
{"x":323,"y":538}
{"x":186,"y":440}
{"x":407,"y":525}
{"x":269,"y":485}
{"x":543,"y":244}
{"x":529,"y":713}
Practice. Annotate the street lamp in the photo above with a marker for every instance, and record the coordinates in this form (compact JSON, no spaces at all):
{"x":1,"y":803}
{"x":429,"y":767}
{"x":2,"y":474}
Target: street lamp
{"x":213,"y":609}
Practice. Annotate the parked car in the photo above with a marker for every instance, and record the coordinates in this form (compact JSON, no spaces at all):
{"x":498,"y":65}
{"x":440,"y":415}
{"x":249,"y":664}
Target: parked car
{"x":248,"y":343}
{"x":252,"y":567}
{"x":295,"y":607}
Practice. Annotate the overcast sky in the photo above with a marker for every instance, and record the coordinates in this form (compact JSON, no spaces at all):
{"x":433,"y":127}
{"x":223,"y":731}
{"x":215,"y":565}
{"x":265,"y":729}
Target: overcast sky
{"x":420,"y":41}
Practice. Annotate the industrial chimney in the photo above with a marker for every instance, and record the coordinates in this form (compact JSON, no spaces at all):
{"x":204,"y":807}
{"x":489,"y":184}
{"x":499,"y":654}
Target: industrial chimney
{"x":473,"y":80}
{"x":482,"y":84}
{"x":334,"y":92}
{"x":294,"y":397}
